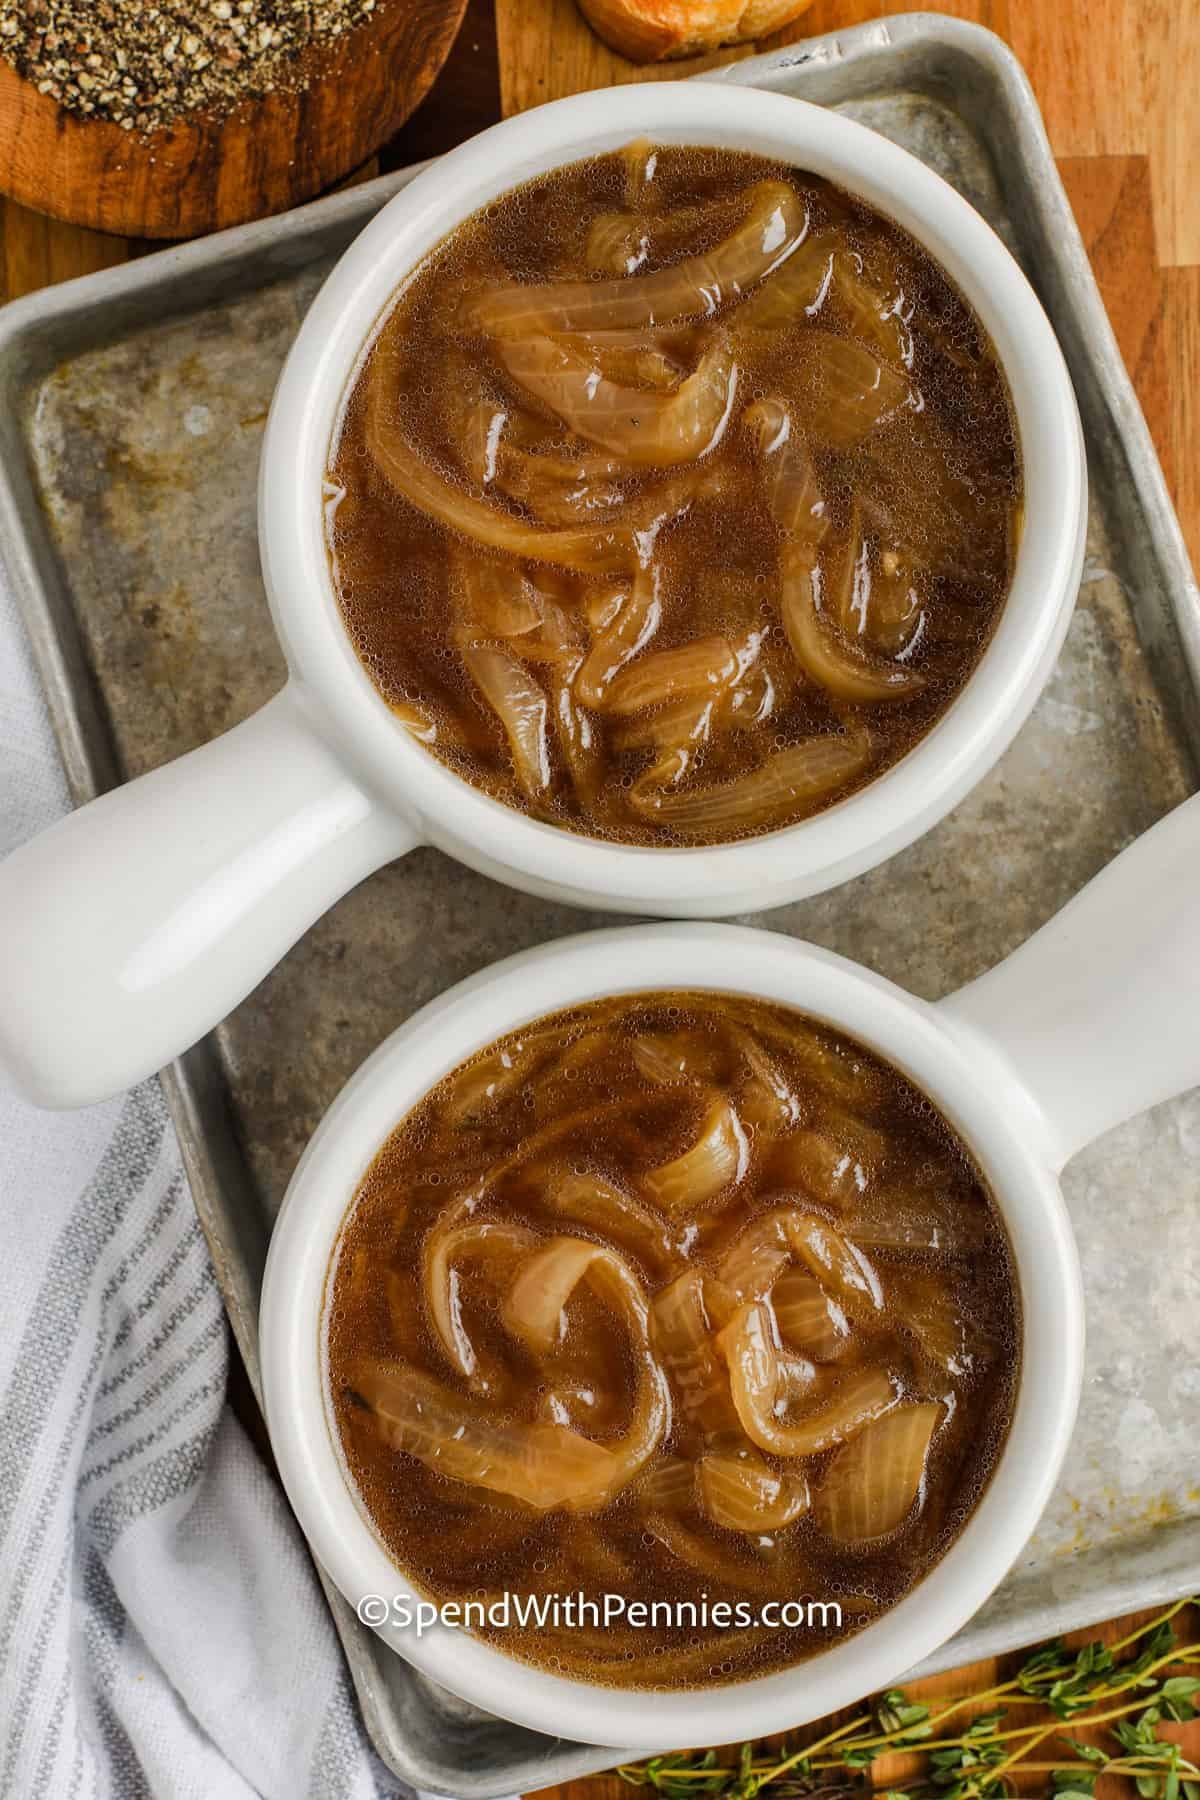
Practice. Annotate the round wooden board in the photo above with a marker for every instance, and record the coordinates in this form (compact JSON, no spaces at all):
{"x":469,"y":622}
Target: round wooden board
{"x":204,"y":174}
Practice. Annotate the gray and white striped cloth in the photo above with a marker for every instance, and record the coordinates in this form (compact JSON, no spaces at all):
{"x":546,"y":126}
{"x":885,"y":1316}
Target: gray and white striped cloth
{"x":161,"y":1628}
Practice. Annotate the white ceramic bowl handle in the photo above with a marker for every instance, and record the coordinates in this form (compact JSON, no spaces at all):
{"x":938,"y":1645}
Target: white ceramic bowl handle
{"x":131,"y":927}
{"x":1100,"y":1011}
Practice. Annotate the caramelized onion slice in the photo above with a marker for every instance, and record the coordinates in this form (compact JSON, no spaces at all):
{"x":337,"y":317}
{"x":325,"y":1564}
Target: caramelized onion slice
{"x":838,"y":1264}
{"x":870,"y":1147}
{"x":876,"y":317}
{"x":633,"y":358}
{"x":600,"y":1115}
{"x":798,"y":509}
{"x":793,"y":782}
{"x":718,"y":1159}
{"x":416,"y":720}
{"x":583,"y":1406}
{"x":669,"y":767}
{"x":668,"y":1057}
{"x":479,"y":1087}
{"x":849,"y":392}
{"x":657,"y":1059}
{"x":478,"y":429}
{"x":629,"y":631}
{"x":602,"y":604}
{"x":646,"y":427}
{"x":895,"y":608}
{"x":521,"y":706}
{"x":899,"y":1219}
{"x":797,"y":1382}
{"x":684,"y":1340}
{"x":641,"y":164}
{"x":617,"y":243}
{"x":669,"y":1485}
{"x":558,"y":488}
{"x":496,"y":446}
{"x":693,"y":671}
{"x":742,"y":1492}
{"x":808,"y":1318}
{"x":812,"y":1162}
{"x":756,"y":1258}
{"x":838,"y":1071}
{"x":560,"y":492}
{"x":592,"y":1201}
{"x":622,"y":243}
{"x":874,"y":597}
{"x":838,"y":1408}
{"x":794,"y":497}
{"x":676,"y":732}
{"x":843,"y":668}
{"x":556,"y":638}
{"x":592,"y":551}
{"x":499,"y":601}
{"x":760,"y":695}
{"x":774,"y":225}
{"x":579,"y":744}
{"x":751,"y":1358}
{"x":720,"y":1301}
{"x":873,"y":1482}
{"x":795,"y":292}
{"x":545,"y":1466}
{"x":447,"y":1245}
{"x":743,"y":1568}
{"x":533,"y":1312}
{"x":767,"y":1102}
{"x":758,"y":1255}
{"x":862,"y":1396}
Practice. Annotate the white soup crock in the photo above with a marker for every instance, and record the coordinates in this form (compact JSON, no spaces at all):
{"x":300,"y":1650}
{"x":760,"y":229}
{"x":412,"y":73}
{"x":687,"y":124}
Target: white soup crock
{"x":1092,"y":1021}
{"x":131,"y":928}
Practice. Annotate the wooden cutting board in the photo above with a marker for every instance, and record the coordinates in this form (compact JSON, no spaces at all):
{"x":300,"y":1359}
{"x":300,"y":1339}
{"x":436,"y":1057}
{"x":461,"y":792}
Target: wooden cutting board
{"x":204,"y":174}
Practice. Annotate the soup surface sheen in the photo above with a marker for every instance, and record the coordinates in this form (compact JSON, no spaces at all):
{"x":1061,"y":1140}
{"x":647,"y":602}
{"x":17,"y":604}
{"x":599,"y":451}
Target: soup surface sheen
{"x":673,"y":1297}
{"x":676,"y":499}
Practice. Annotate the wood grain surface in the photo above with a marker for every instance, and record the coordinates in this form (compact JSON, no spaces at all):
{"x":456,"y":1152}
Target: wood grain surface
{"x":202,"y":174}
{"x":1117,"y":81}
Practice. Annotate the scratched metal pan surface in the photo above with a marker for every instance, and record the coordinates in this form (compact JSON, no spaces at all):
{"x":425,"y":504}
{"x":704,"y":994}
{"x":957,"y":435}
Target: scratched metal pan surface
{"x":131,"y":414}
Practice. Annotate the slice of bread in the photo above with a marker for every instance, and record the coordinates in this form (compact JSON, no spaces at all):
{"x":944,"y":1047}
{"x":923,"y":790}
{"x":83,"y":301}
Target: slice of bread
{"x":659,"y":30}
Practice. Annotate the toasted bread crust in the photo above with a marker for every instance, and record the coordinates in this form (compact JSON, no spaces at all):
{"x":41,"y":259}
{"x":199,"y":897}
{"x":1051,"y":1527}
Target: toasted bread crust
{"x":661,"y":30}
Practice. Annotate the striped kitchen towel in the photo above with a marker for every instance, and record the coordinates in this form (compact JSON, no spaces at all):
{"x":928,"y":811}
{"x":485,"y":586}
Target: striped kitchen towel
{"x":161,"y":1628}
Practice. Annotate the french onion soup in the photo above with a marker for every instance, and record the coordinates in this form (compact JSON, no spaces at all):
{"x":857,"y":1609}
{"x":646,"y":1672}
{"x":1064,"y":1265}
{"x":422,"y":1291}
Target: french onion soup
{"x":676,"y":1297}
{"x":676,"y":497}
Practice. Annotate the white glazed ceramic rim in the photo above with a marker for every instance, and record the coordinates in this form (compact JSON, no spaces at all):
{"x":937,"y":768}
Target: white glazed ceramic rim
{"x":900,"y":804}
{"x":717,"y":958}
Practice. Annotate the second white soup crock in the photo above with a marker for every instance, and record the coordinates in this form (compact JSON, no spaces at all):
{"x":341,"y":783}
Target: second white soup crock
{"x":1091,"y":1021}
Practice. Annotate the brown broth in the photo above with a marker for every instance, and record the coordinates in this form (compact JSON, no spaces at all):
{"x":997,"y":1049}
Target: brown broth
{"x":884,"y":576}
{"x":916,"y":1287}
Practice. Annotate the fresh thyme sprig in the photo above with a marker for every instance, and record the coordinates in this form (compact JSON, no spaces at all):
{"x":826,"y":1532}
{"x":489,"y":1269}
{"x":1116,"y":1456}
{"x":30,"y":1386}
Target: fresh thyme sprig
{"x":1122,"y":1691}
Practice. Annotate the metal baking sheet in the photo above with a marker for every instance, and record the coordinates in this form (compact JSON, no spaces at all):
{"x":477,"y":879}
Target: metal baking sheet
{"x":134,"y":402}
